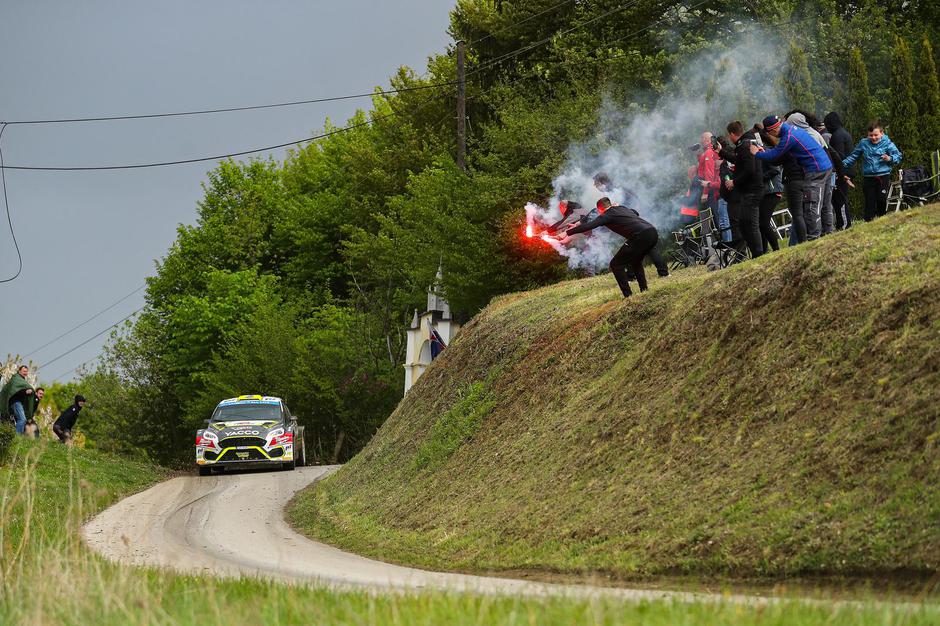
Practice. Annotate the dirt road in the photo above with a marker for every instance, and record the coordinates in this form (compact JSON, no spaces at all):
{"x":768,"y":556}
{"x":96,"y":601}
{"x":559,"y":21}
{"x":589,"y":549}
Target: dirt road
{"x":233,"y":524}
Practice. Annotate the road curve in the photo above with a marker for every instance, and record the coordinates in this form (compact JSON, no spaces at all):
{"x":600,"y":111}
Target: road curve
{"x":233,"y":525}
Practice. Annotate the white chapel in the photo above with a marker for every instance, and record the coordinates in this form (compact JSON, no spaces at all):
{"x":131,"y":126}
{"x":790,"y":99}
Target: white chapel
{"x":437,"y":316}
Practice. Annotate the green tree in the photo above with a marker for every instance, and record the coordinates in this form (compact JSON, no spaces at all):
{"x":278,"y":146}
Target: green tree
{"x":858,"y":111}
{"x":797,"y":80}
{"x":928,"y":98}
{"x":903,"y":121}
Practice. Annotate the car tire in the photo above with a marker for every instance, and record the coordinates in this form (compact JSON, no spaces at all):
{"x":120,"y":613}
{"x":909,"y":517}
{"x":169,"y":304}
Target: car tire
{"x":204,"y":471}
{"x":289,"y":465}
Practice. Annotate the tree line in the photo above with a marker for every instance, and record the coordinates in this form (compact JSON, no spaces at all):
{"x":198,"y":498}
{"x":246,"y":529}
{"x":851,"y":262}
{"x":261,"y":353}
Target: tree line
{"x":299,"y":278}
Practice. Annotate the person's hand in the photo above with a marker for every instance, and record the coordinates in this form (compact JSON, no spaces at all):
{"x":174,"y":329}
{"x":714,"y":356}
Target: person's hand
{"x":29,"y":391}
{"x":729,"y":185}
{"x":850,"y":182}
{"x":755,"y":149}
{"x":885,"y":157}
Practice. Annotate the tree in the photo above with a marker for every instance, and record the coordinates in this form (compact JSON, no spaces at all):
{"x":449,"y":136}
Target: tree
{"x":928,"y":98}
{"x":858,"y":110}
{"x":797,"y":80}
{"x":903,"y":120}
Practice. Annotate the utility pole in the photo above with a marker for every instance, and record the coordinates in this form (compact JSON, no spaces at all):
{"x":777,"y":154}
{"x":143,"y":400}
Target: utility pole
{"x":461,"y":107}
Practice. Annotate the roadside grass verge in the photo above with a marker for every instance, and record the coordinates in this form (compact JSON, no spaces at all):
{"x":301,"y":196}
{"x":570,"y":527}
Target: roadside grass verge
{"x":49,"y":577}
{"x":774,"y":420}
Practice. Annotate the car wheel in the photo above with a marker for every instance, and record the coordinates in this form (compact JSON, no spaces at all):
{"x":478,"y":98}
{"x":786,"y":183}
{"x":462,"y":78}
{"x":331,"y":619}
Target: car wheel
{"x":204,"y":471}
{"x":289,"y":465}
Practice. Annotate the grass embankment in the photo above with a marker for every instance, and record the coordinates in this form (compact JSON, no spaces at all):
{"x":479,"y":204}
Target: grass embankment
{"x":48,"y":577}
{"x":775,"y":419}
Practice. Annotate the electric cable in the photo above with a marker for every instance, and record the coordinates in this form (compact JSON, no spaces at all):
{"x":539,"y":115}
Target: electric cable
{"x":6,"y":203}
{"x":90,"y":339}
{"x":108,"y":118}
{"x":63,"y":375}
{"x":542,"y":42}
{"x":194,"y":160}
{"x":520,"y":22}
{"x":92,"y":318}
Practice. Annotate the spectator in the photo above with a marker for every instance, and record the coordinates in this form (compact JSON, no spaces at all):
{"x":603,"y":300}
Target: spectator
{"x":32,"y":426}
{"x":747,"y":187}
{"x":66,"y":422}
{"x":604,"y":184}
{"x":773,"y":192}
{"x":812,"y":157}
{"x":17,"y":397}
{"x":725,"y":174}
{"x":841,"y":144}
{"x":879,"y":156}
{"x":708,"y":172}
{"x":808,"y":122}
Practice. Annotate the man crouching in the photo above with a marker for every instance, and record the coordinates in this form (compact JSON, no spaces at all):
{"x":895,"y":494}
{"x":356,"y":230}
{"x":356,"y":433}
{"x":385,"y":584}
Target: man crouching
{"x":641,"y":239}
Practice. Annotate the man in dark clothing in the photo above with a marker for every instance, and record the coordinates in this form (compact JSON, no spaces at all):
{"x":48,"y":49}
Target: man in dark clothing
{"x":603,"y":183}
{"x":66,"y":422}
{"x":842,"y":144}
{"x":747,"y":189}
{"x":641,"y":237}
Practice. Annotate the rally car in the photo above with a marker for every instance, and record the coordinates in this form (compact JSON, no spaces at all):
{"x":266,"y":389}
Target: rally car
{"x":250,"y":431}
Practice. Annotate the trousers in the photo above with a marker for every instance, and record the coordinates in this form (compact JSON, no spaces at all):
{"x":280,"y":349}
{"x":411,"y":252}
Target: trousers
{"x":875,"y":189}
{"x":630,"y":255}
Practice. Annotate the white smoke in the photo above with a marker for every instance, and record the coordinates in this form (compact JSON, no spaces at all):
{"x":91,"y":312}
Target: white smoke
{"x":647,"y":151}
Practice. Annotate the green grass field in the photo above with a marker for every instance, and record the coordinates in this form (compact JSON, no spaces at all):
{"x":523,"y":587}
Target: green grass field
{"x":774,"y":420}
{"x":48,"y":577}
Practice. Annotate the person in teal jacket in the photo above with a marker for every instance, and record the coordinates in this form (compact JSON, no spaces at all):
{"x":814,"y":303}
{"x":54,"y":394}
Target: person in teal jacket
{"x":879,"y":156}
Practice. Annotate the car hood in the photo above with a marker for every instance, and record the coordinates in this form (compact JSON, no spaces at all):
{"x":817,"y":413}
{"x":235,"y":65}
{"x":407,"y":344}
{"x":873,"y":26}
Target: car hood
{"x":244,"y":428}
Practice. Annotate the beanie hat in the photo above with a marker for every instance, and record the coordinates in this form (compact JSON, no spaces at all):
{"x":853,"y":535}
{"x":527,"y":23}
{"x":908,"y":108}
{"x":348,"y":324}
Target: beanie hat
{"x":772,"y":122}
{"x":79,"y":398}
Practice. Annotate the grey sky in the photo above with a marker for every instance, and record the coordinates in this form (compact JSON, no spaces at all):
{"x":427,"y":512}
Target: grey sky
{"x":88,"y":238}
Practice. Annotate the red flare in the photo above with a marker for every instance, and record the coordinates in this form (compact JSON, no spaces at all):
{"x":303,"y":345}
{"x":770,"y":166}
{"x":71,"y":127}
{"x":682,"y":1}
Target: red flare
{"x":528,"y":230}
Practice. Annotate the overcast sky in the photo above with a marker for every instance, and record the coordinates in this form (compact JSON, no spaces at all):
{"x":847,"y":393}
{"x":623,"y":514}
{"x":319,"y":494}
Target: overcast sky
{"x":89,"y":238}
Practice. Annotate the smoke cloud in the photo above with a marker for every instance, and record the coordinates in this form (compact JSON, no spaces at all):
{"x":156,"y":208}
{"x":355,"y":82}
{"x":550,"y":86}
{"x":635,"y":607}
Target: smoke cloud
{"x":647,"y":151}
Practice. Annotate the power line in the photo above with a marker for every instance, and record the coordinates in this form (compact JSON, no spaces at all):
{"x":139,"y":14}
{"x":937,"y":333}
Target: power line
{"x":231,"y":109}
{"x":93,"y":317}
{"x":6,"y":203}
{"x":63,"y":375}
{"x":542,"y":42}
{"x":520,"y":22}
{"x":195,"y":160}
{"x":90,"y":339}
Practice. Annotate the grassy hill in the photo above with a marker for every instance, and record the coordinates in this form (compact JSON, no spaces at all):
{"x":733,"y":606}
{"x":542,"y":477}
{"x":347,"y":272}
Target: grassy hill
{"x":775,"y":419}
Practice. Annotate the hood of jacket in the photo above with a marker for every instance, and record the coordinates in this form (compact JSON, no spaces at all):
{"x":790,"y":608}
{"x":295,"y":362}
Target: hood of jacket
{"x":833,"y":122}
{"x":798,"y":120}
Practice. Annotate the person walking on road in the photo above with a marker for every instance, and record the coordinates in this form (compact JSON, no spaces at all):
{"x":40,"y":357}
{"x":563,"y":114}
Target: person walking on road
{"x":66,"y":422}
{"x":641,"y":238}
{"x":17,"y":398}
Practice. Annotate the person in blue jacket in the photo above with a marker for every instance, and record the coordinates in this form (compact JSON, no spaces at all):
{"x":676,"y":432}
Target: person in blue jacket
{"x":879,"y":156}
{"x":812,"y":157}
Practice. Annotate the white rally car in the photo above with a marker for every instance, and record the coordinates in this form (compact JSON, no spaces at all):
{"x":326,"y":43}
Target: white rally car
{"x":250,"y":431}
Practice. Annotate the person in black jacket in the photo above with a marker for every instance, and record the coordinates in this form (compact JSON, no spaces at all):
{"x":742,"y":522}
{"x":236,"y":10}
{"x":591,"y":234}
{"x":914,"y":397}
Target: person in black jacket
{"x":641,"y":238}
{"x":66,"y":422}
{"x":747,"y":189}
{"x":842,"y":144}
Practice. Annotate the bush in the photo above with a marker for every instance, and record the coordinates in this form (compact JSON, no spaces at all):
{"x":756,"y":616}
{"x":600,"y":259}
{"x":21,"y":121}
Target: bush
{"x":7,"y":436}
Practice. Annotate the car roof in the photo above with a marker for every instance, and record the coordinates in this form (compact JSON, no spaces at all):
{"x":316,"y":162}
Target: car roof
{"x":251,"y":399}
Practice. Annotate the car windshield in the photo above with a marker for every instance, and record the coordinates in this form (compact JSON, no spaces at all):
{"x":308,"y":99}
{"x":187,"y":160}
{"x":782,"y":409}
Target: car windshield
{"x":235,"y":412}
